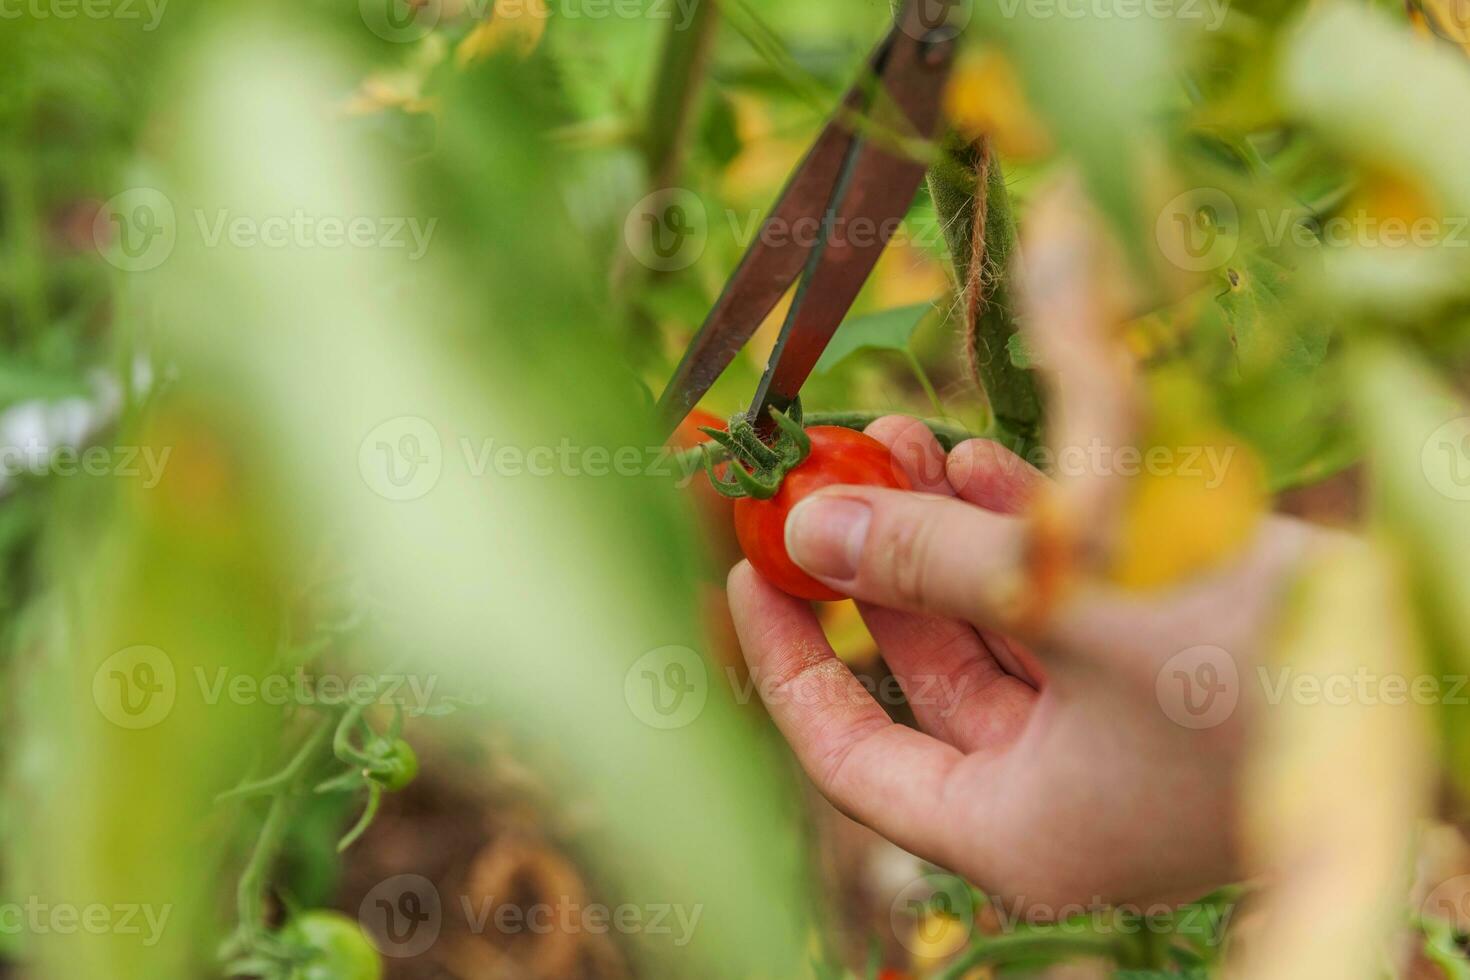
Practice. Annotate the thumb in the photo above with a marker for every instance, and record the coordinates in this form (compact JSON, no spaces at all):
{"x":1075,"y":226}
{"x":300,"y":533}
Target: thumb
{"x":918,"y":552}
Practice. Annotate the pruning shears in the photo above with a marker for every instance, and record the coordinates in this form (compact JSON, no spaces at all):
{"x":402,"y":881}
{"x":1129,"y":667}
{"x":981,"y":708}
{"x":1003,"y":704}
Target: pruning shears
{"x":852,"y":189}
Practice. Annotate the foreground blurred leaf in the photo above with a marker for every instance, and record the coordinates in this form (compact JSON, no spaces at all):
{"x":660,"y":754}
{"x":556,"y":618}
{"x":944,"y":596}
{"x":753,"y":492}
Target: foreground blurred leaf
{"x":1195,"y":506}
{"x":385,"y":381}
{"x":152,"y":589}
{"x":1402,"y":110}
{"x":1093,"y":80}
{"x":1417,"y":436}
{"x":1335,"y":787}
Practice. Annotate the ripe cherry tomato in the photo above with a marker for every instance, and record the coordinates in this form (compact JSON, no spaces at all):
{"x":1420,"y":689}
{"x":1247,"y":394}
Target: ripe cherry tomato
{"x":338,"y":948}
{"x":838,"y":456}
{"x":716,"y":512}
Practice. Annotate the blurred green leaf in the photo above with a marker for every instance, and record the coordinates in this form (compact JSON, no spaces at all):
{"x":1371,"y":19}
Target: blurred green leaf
{"x":1264,"y":330}
{"x":1370,"y":87}
{"x":1417,"y":437}
{"x":1095,"y":79}
{"x":886,"y":330}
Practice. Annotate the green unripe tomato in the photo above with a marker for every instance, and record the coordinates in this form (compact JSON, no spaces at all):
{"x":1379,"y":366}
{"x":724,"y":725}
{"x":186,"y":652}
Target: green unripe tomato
{"x":339,"y":950}
{"x":400,"y":766}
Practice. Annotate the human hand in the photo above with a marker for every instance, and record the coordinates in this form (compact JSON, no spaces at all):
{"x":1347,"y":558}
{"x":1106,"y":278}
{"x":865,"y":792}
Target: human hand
{"x":1047,"y":768}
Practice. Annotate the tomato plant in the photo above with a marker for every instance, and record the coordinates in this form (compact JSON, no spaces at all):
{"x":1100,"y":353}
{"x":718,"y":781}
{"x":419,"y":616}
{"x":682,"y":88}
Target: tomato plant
{"x":334,"y":945}
{"x":398,"y":764}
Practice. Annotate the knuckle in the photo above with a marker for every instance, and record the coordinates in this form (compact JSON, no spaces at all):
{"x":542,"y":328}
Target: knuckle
{"x":902,"y":560}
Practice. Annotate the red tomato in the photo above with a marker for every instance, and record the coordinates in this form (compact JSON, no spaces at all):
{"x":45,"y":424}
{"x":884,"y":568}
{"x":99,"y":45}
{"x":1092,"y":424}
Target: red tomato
{"x":892,"y":975}
{"x":838,"y":455}
{"x":715,"y":510}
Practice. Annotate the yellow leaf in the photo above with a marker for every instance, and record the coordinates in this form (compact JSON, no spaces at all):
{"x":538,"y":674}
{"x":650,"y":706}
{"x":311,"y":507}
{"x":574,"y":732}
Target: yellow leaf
{"x":984,"y":98}
{"x":515,"y":26}
{"x":1193,"y":505}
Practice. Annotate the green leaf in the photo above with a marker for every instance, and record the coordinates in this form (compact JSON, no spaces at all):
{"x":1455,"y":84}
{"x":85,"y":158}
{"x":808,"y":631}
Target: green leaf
{"x":1417,"y":436}
{"x":888,"y":330}
{"x":19,"y":382}
{"x":1263,"y":328}
{"x":1382,"y":95}
{"x":1022,"y":356}
{"x":1441,"y":949}
{"x":719,"y":134}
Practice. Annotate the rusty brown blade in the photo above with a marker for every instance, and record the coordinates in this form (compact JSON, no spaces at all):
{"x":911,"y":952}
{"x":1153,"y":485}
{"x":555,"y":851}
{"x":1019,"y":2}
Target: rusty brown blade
{"x":867,"y":206}
{"x":774,"y":259}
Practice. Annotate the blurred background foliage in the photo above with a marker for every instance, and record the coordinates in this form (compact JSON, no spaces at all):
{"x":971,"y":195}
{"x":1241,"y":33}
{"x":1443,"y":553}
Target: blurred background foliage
{"x":1218,"y":142}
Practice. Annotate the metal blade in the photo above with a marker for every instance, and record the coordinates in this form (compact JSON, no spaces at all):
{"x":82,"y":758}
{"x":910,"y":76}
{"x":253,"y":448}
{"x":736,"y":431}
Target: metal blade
{"x":872,"y":194}
{"x":774,"y":259}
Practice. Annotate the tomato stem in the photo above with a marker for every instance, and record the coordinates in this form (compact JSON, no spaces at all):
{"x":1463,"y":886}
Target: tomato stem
{"x":717,"y":450}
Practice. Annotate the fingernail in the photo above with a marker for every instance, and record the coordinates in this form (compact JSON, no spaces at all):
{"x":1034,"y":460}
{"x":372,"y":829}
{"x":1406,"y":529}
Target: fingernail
{"x":825,"y":534}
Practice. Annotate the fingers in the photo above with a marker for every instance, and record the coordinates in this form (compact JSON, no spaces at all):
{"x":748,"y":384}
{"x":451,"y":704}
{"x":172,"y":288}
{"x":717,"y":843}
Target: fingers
{"x":989,"y":475}
{"x":950,"y":679}
{"x":916,"y":552}
{"x":890,"y":777}
{"x":958,"y":691}
{"x":915,"y":450}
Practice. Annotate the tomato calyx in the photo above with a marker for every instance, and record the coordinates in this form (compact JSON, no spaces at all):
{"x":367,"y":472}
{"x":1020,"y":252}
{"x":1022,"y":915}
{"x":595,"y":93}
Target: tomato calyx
{"x":759,"y":467}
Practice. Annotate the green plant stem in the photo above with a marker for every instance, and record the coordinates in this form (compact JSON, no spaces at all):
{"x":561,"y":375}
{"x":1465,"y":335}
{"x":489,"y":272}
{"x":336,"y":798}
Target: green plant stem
{"x":924,"y":381}
{"x":288,"y":775}
{"x":989,"y":950}
{"x":1013,"y":393}
{"x":948,"y":434}
{"x":250,"y":891}
{"x":677,"y":85}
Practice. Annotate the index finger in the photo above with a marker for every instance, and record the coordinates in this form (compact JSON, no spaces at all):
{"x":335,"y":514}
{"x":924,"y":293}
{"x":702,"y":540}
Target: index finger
{"x":885,"y":775}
